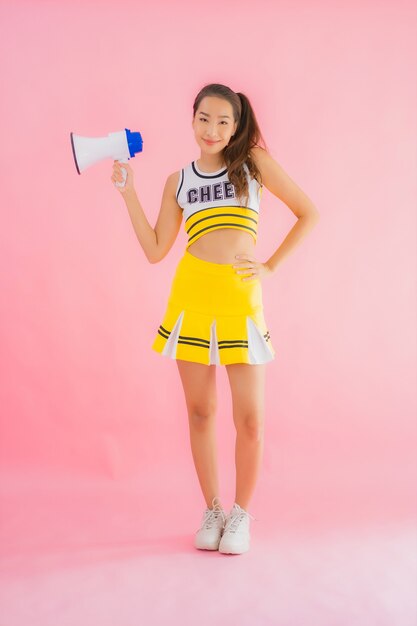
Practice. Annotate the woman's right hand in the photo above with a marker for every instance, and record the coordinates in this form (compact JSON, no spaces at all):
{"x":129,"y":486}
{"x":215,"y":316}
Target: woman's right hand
{"x":118,"y":176}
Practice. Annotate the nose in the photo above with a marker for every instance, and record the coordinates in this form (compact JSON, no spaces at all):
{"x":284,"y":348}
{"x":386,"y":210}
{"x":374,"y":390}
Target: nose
{"x":211,"y":131}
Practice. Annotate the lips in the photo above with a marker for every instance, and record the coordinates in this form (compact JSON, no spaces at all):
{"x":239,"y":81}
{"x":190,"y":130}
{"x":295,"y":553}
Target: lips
{"x":211,"y":143}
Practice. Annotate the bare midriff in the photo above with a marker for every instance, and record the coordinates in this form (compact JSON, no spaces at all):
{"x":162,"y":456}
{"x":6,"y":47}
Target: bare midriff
{"x":222,"y":245}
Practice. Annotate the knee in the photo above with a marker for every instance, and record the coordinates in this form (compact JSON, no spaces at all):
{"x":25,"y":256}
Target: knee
{"x":202,"y":415}
{"x":252,"y":427}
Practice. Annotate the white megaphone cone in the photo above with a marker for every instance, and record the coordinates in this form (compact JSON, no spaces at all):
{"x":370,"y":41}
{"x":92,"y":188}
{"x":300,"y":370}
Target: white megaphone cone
{"x":119,"y":146}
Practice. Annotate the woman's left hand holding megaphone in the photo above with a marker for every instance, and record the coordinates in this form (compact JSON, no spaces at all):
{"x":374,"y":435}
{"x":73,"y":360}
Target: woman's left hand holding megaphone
{"x":118,"y":176}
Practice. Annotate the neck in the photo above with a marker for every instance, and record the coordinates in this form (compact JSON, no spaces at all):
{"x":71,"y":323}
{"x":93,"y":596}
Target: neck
{"x":210,"y":163}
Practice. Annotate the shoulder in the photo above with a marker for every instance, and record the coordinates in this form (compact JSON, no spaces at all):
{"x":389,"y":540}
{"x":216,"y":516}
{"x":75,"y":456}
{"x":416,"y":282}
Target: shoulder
{"x":279,"y":183}
{"x":259,"y":156}
{"x":271,"y":171}
{"x":273,"y":176}
{"x":174,"y":179}
{"x":172,"y":185}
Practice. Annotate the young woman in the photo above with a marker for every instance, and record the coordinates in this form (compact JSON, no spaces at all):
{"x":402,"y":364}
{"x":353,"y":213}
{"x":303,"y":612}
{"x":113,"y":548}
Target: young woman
{"x":214,"y":313}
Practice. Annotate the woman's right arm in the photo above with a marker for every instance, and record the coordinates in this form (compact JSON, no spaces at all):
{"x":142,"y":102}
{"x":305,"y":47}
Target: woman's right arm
{"x":156,"y":242}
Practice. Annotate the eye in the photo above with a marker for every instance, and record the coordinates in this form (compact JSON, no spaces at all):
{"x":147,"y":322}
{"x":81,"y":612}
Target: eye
{"x":202,"y":119}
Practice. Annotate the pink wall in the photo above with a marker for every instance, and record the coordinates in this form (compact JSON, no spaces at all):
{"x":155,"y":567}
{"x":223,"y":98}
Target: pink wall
{"x":96,"y":468}
{"x":80,"y":302}
{"x":333,"y":87}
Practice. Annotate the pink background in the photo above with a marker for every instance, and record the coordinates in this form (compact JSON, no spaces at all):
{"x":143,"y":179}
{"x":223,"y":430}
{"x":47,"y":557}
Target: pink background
{"x":99,"y":495}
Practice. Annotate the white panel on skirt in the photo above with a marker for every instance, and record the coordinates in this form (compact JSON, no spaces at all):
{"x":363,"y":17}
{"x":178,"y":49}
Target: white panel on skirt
{"x":170,"y":348}
{"x":259,"y":351}
{"x":214,"y":348}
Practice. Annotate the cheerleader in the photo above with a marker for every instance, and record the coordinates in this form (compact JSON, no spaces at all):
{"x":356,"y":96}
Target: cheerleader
{"x":214,"y":312}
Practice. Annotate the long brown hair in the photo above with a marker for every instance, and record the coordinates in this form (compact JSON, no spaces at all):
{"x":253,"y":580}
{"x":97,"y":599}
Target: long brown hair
{"x":247,"y":136}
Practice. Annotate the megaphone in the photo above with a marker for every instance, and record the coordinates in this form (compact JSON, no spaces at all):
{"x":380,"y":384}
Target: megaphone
{"x":119,"y":146}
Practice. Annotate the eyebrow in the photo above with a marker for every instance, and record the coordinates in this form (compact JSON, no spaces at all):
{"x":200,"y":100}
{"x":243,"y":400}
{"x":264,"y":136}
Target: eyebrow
{"x":202,"y":113}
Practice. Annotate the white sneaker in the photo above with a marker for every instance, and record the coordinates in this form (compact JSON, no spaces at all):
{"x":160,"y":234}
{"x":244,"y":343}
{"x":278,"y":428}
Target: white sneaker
{"x":236,"y":536}
{"x":209,"y":534}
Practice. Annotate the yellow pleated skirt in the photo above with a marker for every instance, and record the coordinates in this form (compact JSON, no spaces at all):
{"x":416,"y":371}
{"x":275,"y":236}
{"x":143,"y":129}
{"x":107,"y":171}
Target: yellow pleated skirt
{"x":213,"y":316}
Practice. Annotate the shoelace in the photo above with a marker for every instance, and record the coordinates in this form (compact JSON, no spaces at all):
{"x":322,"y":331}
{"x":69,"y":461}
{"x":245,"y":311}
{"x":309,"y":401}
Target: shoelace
{"x":233,"y":521}
{"x":211,"y":516}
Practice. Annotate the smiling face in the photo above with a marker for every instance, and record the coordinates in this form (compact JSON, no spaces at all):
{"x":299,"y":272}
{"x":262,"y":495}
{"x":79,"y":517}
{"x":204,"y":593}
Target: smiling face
{"x":213,"y":124}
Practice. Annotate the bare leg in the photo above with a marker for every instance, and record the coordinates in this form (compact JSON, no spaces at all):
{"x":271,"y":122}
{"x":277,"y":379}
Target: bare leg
{"x":247,"y":384}
{"x":199,"y":383}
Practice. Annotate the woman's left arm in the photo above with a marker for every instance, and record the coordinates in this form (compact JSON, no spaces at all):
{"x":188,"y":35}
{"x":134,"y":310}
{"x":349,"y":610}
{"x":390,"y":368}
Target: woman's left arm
{"x":277,"y":181}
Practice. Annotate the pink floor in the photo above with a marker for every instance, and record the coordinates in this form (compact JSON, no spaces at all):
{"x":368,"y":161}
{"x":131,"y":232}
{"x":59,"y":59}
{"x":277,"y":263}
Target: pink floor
{"x":97,"y":553}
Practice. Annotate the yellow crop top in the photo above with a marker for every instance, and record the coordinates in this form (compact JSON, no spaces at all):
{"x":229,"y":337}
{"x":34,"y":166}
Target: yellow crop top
{"x":208,"y":202}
